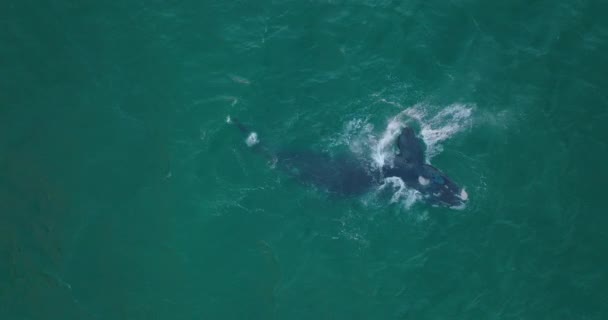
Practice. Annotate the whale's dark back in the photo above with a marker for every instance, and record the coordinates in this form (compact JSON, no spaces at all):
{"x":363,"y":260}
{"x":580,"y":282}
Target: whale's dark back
{"x":342,"y":174}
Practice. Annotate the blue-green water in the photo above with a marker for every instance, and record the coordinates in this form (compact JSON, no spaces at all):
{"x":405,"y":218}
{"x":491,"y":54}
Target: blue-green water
{"x":125,"y":195}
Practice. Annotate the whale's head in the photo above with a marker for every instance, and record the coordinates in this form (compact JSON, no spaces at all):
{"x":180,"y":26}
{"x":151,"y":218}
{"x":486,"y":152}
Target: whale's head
{"x":439,"y":189}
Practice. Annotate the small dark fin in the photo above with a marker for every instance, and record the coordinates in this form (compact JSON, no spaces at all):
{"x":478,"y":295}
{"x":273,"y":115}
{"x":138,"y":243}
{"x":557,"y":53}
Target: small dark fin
{"x":411,"y":147}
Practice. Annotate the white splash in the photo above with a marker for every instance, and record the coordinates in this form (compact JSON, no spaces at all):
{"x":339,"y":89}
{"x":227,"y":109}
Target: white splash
{"x":382,"y":151}
{"x":442,"y":126}
{"x":401,"y":192}
{"x":252,"y":139}
{"x":436,"y":125}
{"x":357,"y":135}
{"x":434,"y":128}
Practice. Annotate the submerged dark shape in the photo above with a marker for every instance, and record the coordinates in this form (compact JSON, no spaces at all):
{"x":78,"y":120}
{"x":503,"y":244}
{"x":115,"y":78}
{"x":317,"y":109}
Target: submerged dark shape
{"x":349,"y":176}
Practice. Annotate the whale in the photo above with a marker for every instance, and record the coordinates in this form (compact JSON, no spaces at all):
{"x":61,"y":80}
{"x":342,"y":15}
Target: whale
{"x":345,"y":174}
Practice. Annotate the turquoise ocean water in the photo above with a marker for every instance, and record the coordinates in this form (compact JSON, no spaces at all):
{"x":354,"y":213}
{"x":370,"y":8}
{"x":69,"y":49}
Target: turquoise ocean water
{"x":124,"y":194}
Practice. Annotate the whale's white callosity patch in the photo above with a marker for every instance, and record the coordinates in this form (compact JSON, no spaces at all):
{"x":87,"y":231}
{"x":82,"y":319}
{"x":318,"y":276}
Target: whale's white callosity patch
{"x":423,"y":181}
{"x":464,"y":195}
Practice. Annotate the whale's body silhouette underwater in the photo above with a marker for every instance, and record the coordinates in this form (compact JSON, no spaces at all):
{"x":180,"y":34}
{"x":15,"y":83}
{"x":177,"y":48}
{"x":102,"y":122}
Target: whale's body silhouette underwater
{"x":348,"y":176}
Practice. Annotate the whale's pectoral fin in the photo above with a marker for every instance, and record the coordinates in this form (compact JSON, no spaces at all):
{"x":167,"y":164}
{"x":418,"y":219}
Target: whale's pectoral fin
{"x":411,"y":148}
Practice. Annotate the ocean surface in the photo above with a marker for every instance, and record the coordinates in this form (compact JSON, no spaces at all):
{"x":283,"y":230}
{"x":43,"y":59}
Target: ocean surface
{"x":125,"y":194}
